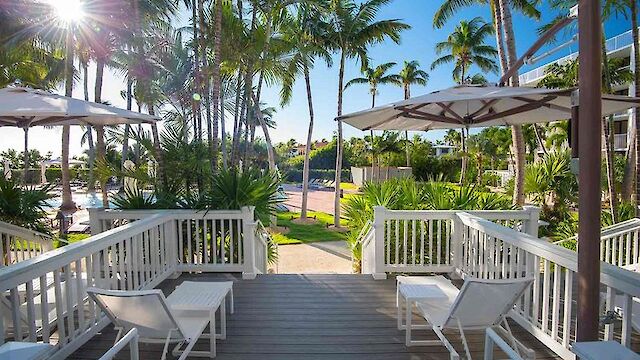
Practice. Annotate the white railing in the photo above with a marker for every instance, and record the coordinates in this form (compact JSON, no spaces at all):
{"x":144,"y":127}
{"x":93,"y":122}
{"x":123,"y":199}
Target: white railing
{"x":131,"y":339}
{"x":19,"y":244}
{"x":420,"y":241}
{"x":619,"y":243}
{"x":620,"y":142}
{"x":367,"y":245}
{"x":489,"y":250}
{"x":44,"y":298}
{"x":212,"y":241}
{"x":265,"y":245}
{"x":613,"y":44}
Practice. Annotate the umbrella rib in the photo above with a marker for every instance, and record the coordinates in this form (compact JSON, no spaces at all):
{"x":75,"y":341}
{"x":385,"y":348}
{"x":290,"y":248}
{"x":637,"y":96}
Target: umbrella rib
{"x":551,"y":106}
{"x":516,"y":110}
{"x":447,"y":108}
{"x":487,"y":105}
{"x":421,"y":115}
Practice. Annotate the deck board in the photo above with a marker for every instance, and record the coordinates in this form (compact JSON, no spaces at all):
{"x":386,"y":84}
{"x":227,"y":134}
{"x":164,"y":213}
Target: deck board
{"x":288,"y":317}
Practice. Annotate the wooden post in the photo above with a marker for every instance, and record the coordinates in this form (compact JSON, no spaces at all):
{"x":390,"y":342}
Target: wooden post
{"x":249,"y":243}
{"x":378,"y":272}
{"x":590,"y":135}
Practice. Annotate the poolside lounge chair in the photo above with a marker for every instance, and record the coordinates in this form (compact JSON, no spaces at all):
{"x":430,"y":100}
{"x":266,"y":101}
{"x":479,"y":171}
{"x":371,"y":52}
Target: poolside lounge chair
{"x":148,"y":311}
{"x":480,"y":304}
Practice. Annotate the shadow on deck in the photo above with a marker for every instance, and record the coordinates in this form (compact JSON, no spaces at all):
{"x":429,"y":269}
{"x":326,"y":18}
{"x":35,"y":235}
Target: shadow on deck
{"x":284,"y":317}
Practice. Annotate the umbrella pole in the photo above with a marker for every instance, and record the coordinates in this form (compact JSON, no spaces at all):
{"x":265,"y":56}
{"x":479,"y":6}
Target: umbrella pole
{"x":590,"y":147}
{"x":26,"y":155}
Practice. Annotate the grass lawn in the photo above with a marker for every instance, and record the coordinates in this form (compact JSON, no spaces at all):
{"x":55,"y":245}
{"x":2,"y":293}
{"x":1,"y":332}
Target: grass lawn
{"x":306,"y":233}
{"x":74,"y":237}
{"x":348,"y":186}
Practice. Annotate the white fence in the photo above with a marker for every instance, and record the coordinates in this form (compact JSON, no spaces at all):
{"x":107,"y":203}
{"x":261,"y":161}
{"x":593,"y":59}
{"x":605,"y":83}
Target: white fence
{"x":502,"y":245}
{"x":207,"y":240}
{"x":421,"y":241}
{"x":45,"y":297}
{"x":19,"y":244}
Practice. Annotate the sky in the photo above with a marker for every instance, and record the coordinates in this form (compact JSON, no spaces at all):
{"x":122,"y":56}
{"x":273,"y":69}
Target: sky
{"x":292,"y":121}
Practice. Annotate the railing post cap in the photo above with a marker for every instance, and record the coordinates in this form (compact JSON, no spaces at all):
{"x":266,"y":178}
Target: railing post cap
{"x":379,"y":208}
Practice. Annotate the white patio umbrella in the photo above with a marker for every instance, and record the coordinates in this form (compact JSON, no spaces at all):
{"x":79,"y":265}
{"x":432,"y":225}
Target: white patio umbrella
{"x":467,"y":106}
{"x":25,"y":108}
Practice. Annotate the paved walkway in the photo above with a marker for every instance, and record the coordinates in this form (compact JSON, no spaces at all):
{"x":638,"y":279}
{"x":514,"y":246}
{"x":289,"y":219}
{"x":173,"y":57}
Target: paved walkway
{"x":318,"y":200}
{"x":330,"y":257}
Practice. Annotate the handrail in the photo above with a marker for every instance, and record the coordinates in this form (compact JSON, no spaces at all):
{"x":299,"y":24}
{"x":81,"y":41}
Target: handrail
{"x":131,"y":339}
{"x":611,"y":275}
{"x":611,"y":230}
{"x":22,"y":272}
{"x":23,"y":233}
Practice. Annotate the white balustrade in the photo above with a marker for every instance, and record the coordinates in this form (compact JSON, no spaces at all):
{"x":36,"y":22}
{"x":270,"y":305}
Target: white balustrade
{"x":44,"y":298}
{"x":547,"y":309}
{"x":19,"y":244}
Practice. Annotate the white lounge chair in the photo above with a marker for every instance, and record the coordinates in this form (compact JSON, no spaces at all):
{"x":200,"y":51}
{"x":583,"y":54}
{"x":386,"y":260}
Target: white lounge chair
{"x":148,"y":311}
{"x":480,"y":304}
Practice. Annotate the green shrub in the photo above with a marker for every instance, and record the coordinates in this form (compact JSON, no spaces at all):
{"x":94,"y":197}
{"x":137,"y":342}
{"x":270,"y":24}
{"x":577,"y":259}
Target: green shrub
{"x":296,"y":175}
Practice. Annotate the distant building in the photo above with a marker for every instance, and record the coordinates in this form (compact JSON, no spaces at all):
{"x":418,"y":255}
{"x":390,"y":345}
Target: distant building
{"x":301,"y":149}
{"x":620,"y":46}
{"x":444,"y":149}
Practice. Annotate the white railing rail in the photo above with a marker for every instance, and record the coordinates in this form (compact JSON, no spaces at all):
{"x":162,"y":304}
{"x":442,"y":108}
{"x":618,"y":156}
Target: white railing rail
{"x":263,"y":244}
{"x":489,"y":250}
{"x":367,"y":246}
{"x":619,"y":243}
{"x":19,"y":244}
{"x":421,"y":241}
{"x":44,"y":298}
{"x":208,"y":240}
{"x":131,"y":339}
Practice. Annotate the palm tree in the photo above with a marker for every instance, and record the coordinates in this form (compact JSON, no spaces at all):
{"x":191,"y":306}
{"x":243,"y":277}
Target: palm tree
{"x":305,"y":40}
{"x":353,"y":30}
{"x":409,"y":75}
{"x":504,"y":34}
{"x":465,"y":47}
{"x":374,"y":77}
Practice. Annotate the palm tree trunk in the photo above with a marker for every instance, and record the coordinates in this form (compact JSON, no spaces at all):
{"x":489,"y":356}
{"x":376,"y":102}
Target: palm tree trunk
{"x":265,"y":130}
{"x":223,"y":132}
{"x":497,"y":23}
{"x":636,"y":90}
{"x":305,"y":167}
{"x":336,"y":201}
{"x":236,"y":122}
{"x":463,"y":146}
{"x":91,"y":184}
{"x":217,"y":89}
{"x":158,"y":150}
{"x":407,"y":95}
{"x":127,"y":127}
{"x":608,"y":136}
{"x":101,"y":153}
{"x":195,"y":103}
{"x":516,"y":130}
{"x":67,"y":201}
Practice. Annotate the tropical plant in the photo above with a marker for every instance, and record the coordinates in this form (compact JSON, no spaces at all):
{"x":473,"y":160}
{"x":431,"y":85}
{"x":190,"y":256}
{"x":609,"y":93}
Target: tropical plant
{"x":353,"y":28}
{"x":24,"y":206}
{"x":409,"y":75}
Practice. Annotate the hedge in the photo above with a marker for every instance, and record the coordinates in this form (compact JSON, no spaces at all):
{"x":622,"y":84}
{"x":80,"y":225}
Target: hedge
{"x":295,"y":175}
{"x":54,"y":174}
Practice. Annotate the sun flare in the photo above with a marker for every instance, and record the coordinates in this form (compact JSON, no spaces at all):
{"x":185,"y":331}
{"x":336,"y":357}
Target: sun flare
{"x":68,"y":11}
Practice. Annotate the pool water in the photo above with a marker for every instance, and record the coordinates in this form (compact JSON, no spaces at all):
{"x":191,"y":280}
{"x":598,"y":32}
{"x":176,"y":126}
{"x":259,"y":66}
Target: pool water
{"x":83,"y":200}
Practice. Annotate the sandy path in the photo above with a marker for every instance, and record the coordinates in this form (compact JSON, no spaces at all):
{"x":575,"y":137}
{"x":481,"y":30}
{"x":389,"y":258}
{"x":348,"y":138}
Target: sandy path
{"x":331,"y":257}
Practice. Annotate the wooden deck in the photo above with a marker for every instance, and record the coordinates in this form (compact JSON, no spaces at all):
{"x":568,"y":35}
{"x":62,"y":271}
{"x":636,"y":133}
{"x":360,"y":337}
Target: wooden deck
{"x":287,"y":317}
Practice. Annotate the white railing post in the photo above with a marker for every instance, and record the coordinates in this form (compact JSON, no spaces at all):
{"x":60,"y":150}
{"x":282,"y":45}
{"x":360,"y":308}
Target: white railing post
{"x":249,"y":243}
{"x":531,"y":224}
{"x":94,"y":220}
{"x":171,"y":241}
{"x":377,"y":267}
{"x":456,"y":241}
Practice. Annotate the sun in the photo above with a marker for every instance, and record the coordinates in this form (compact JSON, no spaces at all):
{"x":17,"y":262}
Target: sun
{"x":68,"y":11}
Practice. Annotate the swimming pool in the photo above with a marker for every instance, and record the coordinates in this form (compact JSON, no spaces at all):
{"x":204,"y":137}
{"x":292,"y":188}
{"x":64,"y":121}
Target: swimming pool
{"x":83,"y":200}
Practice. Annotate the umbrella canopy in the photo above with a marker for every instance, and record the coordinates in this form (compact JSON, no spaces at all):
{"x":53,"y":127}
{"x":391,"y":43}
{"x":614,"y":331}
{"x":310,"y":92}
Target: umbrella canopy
{"x":478,"y":106}
{"x":23,"y":107}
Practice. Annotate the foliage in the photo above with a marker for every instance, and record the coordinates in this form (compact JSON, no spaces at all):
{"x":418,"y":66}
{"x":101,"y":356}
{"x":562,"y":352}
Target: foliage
{"x":409,"y":194}
{"x":299,"y":233}
{"x":23,"y":207}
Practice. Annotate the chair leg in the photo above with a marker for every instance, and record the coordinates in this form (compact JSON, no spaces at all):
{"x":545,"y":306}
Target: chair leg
{"x":187,"y":350}
{"x":453,"y":353}
{"x":464,"y":340}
